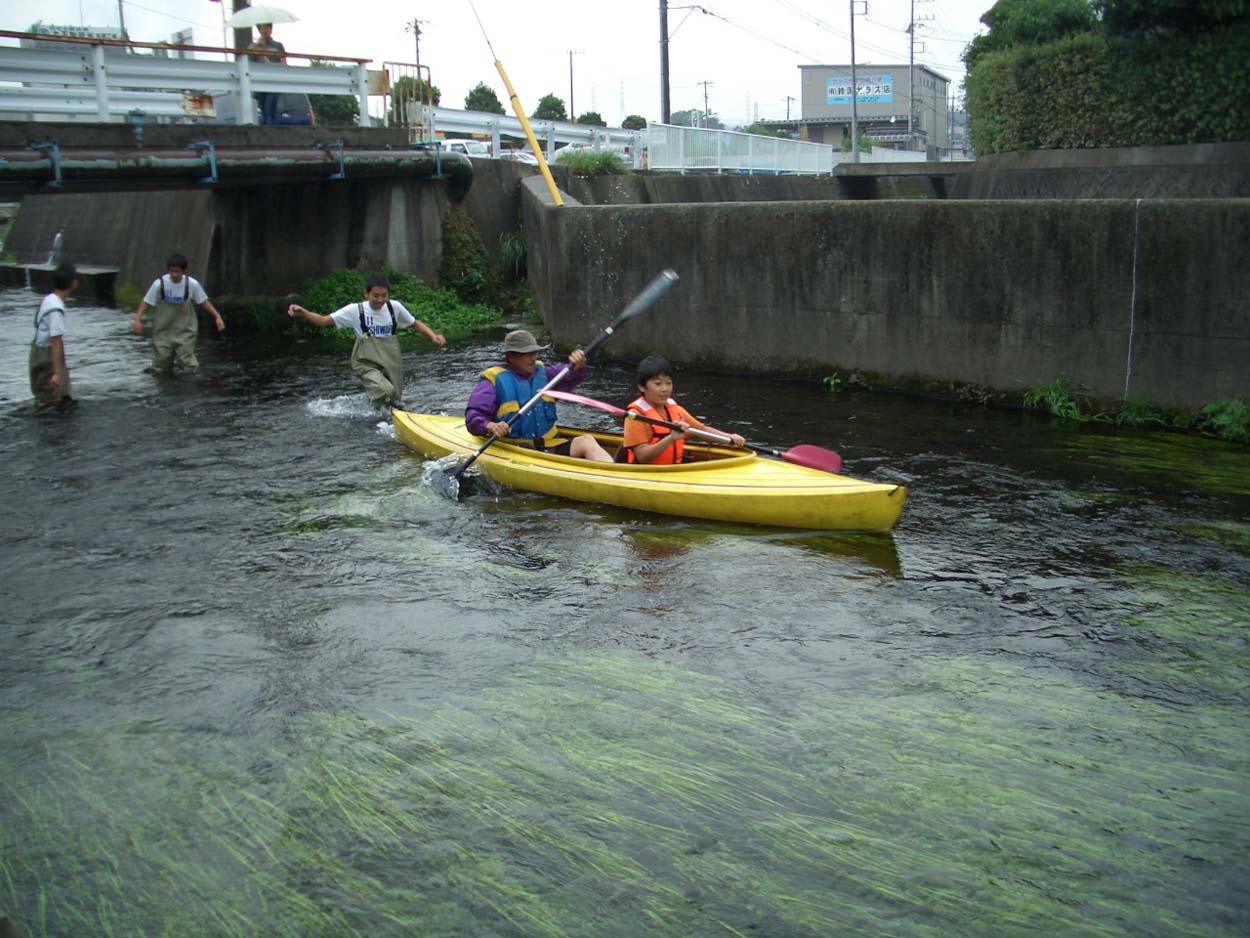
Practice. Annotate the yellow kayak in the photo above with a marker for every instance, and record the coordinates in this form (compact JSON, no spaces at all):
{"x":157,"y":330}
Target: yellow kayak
{"x":715,"y":483}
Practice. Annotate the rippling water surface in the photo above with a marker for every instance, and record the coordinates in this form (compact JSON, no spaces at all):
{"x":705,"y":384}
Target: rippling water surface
{"x":256,"y":678}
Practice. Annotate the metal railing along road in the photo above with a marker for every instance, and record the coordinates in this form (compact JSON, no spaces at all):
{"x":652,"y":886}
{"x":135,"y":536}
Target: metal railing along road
{"x":104,"y":80}
{"x":686,"y":149}
{"x":551,"y":134}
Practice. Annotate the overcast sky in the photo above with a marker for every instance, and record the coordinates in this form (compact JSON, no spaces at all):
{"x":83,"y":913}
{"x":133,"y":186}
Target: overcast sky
{"x":748,"y":51}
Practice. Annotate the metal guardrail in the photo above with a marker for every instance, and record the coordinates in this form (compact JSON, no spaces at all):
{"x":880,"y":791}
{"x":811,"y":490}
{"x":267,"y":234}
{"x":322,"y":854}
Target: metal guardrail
{"x":686,"y":149}
{"x":549,"y":133}
{"x":106,"y":81}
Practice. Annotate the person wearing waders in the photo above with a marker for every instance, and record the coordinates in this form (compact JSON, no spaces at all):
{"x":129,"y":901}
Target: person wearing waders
{"x":49,"y":375}
{"x":174,"y":296}
{"x":376,"y":357}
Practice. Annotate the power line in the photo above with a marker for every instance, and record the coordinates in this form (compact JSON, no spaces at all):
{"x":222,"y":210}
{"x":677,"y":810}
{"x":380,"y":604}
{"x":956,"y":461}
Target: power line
{"x":706,"y":12}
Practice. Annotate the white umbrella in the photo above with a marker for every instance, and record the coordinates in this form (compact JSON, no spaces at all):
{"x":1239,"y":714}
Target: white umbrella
{"x":254,"y":16}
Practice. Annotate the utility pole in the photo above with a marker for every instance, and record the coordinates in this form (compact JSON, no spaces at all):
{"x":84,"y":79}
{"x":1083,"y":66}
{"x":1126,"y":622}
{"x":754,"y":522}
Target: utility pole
{"x":789,"y":98}
{"x":854,"y":94}
{"x":121,"y":19}
{"x":911,"y":71}
{"x":706,"y":112}
{"x":666,"y":112}
{"x":572,"y":52}
{"x":242,"y":35}
{"x":414,"y":27}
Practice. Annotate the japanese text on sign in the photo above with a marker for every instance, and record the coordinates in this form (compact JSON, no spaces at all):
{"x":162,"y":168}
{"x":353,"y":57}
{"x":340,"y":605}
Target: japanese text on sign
{"x":872,"y":89}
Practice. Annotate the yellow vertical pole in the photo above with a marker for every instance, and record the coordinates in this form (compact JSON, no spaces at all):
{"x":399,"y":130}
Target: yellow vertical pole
{"x":529,"y":135}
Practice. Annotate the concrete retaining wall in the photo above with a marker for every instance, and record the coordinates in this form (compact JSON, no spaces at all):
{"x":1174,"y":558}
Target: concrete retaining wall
{"x":243,"y":241}
{"x":1110,"y":294}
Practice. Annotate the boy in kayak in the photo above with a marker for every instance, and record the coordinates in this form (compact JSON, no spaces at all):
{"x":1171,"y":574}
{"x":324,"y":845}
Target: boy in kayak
{"x":647,"y":443}
{"x":376,"y":356}
{"x":504,"y":389}
{"x":175,"y":327}
{"x":49,"y":375}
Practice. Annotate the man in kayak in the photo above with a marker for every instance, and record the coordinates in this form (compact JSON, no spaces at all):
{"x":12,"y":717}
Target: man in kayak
{"x":175,"y":327}
{"x":645,"y":442}
{"x":504,"y":389}
{"x":376,"y":357}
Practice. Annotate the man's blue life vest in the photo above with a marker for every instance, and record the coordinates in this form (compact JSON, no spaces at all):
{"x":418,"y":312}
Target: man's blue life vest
{"x":512,"y":392}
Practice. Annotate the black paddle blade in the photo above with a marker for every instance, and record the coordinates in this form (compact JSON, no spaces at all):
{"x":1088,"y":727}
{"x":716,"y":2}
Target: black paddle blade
{"x":441,"y":477}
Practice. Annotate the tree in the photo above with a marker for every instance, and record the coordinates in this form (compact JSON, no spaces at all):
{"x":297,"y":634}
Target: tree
{"x":1029,"y":22}
{"x":483,"y":98}
{"x":634,"y":122}
{"x":696,"y":118}
{"x":1122,"y":17}
{"x":762,"y":131}
{"x":334,"y":110}
{"x":410,"y":91}
{"x":592,"y":119}
{"x":550,"y":108}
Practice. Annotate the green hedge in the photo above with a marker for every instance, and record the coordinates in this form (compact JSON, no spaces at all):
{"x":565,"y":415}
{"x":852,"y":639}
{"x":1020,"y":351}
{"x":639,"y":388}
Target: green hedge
{"x":1096,"y":91}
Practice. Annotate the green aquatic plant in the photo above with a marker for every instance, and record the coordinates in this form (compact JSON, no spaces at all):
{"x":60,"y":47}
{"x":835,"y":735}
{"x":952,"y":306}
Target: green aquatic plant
{"x":128,"y":295}
{"x":1201,"y":624}
{"x":1056,"y":398}
{"x":618,"y":795}
{"x":1170,"y":462}
{"x":832,"y":382}
{"x":1136,"y":412}
{"x":1232,"y":534}
{"x":1229,"y":420}
{"x":512,"y":261}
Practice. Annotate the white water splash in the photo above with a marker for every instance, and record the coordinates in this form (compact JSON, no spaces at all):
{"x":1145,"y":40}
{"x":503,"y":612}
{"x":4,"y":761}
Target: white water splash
{"x":348,"y":406}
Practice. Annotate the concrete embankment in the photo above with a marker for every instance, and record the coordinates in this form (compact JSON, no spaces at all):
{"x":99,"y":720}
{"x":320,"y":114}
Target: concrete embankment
{"x":1138,"y":299}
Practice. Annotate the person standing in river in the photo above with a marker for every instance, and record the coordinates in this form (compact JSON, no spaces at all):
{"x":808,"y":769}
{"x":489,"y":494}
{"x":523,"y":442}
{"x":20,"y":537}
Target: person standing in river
{"x":376,"y":356}
{"x":49,"y":375}
{"x":175,"y":328}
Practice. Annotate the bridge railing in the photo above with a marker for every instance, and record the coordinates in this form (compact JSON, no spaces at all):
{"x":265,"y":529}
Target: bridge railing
{"x":105,"y":80}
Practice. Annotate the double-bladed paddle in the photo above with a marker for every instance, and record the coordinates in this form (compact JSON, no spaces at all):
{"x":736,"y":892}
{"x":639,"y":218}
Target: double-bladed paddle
{"x":640,"y":304}
{"x":813,"y":457}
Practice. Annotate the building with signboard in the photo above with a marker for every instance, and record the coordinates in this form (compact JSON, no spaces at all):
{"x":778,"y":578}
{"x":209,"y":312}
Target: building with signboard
{"x":885,"y":95}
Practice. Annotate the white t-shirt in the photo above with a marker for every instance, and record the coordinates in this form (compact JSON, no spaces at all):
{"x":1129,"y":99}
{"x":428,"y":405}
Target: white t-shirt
{"x":175,"y":292}
{"x":377,"y":322}
{"x":50,"y":321}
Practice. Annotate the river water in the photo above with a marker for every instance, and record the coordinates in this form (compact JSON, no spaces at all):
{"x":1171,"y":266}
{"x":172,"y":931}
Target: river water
{"x":256,"y":678}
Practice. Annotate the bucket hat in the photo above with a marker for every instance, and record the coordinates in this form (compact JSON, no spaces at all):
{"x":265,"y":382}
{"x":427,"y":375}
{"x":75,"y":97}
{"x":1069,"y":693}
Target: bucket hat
{"x":520,"y":340}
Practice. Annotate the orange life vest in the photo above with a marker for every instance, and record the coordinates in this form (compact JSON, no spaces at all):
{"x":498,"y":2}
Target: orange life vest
{"x":670,"y":456}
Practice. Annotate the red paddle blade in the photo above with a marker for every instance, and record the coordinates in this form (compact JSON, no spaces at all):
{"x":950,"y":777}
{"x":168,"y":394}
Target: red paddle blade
{"x":814,"y":457}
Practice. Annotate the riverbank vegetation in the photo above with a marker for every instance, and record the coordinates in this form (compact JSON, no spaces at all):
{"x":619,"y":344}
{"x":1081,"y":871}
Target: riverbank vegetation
{"x":441,"y":310}
{"x":1108,"y":73}
{"x":1225,"y":419}
{"x":593,"y":162}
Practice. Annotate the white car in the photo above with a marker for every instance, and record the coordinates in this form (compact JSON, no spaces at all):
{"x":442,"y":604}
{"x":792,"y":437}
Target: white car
{"x":521,"y":156}
{"x":468,"y":148}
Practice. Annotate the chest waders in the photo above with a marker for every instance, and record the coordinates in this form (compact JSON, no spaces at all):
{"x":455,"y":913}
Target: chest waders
{"x":378,"y":362}
{"x":47,"y":398}
{"x":174,"y":330}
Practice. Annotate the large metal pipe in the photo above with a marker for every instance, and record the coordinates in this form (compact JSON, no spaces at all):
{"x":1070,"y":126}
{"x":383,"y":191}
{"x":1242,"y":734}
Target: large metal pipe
{"x":158,"y":168}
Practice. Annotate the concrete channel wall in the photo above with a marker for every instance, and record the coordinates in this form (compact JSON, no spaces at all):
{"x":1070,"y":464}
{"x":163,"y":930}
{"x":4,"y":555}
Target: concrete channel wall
{"x":268,"y":240}
{"x":1144,"y":299}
